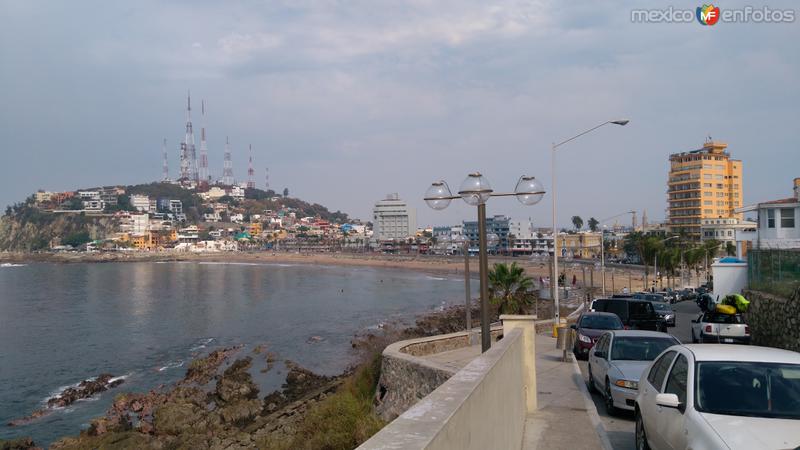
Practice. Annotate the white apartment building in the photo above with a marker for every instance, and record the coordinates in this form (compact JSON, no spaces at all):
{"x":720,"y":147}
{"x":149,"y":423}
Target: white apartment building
{"x":140,"y":202}
{"x":140,"y":223}
{"x":521,"y":236}
{"x":392,"y":218}
{"x":778,"y":222}
{"x":724,"y":229}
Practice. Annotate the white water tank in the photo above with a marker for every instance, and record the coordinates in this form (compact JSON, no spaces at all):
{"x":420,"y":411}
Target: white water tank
{"x":730,"y":276}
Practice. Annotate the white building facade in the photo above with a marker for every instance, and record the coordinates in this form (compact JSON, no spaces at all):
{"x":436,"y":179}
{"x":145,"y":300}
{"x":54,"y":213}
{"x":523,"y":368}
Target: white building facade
{"x":778,"y":223}
{"x":393,"y":218}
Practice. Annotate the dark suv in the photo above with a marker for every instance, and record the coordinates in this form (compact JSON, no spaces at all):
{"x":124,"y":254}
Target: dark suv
{"x":635,"y":314}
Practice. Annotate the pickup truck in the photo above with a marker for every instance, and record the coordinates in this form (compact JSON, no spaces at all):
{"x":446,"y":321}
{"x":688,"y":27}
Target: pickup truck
{"x":718,"y":328}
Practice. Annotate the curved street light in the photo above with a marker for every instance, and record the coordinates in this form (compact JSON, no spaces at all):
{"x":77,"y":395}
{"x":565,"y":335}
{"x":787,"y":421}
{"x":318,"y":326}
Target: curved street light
{"x":554,"y":285}
{"x":475,"y":190}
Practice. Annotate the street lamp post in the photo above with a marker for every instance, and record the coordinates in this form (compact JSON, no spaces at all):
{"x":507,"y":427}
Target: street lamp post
{"x":603,"y":246}
{"x":464,"y":241}
{"x":475,"y":191}
{"x":554,"y":278}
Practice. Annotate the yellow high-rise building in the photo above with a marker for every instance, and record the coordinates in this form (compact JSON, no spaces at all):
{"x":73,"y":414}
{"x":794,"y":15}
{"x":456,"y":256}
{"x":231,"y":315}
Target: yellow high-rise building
{"x":703,"y":184}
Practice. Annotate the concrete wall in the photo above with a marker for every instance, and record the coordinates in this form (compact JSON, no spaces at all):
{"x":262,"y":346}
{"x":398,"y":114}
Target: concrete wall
{"x":774,"y":321}
{"x":482,"y":406}
{"x":406,"y":378}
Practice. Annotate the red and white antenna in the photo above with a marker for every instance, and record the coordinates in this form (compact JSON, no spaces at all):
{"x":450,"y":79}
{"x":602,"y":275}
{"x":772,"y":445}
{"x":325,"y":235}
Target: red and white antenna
{"x":203,"y":170}
{"x":251,"y":184}
{"x":227,"y":165}
{"x":165,"y":165}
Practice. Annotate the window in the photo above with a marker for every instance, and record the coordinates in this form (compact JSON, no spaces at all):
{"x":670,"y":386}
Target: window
{"x":659,"y":370}
{"x":787,"y":218}
{"x":770,"y":218}
{"x":708,"y":202}
{"x":676,"y":383}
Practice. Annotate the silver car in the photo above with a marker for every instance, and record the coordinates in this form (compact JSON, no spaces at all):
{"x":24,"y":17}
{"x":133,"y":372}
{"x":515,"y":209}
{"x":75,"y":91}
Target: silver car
{"x":616,"y":363}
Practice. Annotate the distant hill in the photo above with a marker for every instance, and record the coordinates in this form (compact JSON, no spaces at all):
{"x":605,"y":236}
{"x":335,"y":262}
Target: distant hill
{"x":24,"y":227}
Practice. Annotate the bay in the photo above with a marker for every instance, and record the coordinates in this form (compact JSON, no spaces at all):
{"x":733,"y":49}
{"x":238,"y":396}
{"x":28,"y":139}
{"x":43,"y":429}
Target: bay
{"x":63,"y":323}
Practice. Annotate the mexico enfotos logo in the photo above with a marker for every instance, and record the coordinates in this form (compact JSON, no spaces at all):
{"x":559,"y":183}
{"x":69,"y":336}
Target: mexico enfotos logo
{"x":710,"y":14}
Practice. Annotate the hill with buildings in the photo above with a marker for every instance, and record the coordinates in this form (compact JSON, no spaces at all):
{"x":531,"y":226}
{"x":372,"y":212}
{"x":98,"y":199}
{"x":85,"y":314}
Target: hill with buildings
{"x":156,"y":215}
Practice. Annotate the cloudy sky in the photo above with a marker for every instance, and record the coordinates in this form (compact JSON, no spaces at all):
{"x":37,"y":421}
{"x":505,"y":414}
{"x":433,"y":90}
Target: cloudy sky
{"x":346,"y":101}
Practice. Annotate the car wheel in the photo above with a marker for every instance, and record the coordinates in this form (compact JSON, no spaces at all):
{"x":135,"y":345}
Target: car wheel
{"x":610,"y":408}
{"x":641,"y":437}
{"x":592,"y":387}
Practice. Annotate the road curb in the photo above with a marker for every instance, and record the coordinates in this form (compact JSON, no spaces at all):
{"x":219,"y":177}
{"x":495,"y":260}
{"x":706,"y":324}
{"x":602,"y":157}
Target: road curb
{"x":591,"y":409}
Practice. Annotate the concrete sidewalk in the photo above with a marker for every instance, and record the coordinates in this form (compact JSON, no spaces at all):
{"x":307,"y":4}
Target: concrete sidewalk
{"x":564,"y":417}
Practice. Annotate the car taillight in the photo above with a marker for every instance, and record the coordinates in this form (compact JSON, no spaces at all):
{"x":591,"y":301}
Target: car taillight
{"x":747,"y":329}
{"x":625,"y":327}
{"x":708,"y":328}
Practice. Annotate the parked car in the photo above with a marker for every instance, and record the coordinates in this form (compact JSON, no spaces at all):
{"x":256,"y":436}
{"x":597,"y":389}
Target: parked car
{"x":635,"y":314}
{"x":719,"y":396}
{"x":718,"y":328}
{"x":653,"y":297}
{"x":617,"y":361}
{"x":687,"y":294}
{"x":665,"y":311}
{"x":589,"y":327}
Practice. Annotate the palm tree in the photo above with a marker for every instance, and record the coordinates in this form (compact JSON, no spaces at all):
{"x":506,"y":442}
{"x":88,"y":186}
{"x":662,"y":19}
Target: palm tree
{"x":593,"y":223}
{"x":508,"y":287}
{"x":577,"y":222}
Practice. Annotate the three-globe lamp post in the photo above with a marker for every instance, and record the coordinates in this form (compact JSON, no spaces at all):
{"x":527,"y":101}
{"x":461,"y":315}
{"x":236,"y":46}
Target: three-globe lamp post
{"x":475,"y":190}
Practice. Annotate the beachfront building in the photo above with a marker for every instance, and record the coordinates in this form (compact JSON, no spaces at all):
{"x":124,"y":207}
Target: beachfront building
{"x":703,"y":184}
{"x":393,"y":219}
{"x":521,"y":237}
{"x":581,"y":245}
{"x":141,"y":203}
{"x":498,"y":225}
{"x":724,"y":230}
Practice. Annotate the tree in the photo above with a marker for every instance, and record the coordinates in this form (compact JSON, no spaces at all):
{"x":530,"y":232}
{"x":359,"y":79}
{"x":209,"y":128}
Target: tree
{"x":285,"y":192}
{"x":593,"y":223}
{"x":730,"y":248}
{"x":77,"y":239}
{"x":577,"y":222}
{"x":508,"y":288}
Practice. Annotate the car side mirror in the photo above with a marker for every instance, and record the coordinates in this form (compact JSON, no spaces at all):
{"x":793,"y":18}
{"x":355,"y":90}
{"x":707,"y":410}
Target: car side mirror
{"x":694,"y":320}
{"x":574,"y":326}
{"x":668,"y":401}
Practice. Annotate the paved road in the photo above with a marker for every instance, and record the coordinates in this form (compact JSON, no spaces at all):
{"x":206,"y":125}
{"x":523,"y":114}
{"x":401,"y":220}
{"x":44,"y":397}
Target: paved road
{"x":620,"y":428}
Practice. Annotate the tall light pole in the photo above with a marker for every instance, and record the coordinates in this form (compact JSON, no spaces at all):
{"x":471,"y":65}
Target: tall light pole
{"x":554,"y":278}
{"x":464,"y":241}
{"x":475,"y":191}
{"x":603,"y":247}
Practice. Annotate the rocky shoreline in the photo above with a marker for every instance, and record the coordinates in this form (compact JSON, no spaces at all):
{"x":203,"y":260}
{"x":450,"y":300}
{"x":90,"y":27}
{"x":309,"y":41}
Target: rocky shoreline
{"x":84,"y":390}
{"x":217,"y":405}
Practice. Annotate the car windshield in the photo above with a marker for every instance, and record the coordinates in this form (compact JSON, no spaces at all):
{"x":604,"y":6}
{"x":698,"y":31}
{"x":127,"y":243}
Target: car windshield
{"x":723,"y":318}
{"x":639,"y":348}
{"x":601,"y":322}
{"x":748,"y":389}
{"x":662,"y":307}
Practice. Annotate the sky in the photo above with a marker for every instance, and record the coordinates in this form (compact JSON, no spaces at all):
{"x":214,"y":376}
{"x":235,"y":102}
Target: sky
{"x":347,"y":101}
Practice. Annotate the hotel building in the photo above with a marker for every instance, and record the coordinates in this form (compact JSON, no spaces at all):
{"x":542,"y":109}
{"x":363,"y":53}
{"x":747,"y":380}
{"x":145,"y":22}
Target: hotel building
{"x":703,"y":184}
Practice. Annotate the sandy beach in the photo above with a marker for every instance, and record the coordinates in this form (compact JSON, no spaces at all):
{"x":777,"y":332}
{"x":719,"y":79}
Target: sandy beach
{"x":578,"y":271}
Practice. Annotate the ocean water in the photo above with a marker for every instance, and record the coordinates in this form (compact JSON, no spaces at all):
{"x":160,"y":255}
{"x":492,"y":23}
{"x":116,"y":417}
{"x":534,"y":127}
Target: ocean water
{"x":63,"y":323}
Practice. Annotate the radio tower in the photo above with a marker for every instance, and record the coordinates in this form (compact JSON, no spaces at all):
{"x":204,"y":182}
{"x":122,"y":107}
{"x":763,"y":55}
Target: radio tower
{"x":227,"y":167}
{"x":188,"y":155}
{"x":203,"y":172}
{"x":266,"y":178}
{"x":165,"y":166}
{"x":251,"y":184}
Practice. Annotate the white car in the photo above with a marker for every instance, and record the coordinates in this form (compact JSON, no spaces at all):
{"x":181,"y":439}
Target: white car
{"x":716,"y":396}
{"x":617,"y":361}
